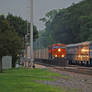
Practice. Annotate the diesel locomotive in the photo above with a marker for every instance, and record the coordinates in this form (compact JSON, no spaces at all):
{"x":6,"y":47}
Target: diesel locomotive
{"x":54,"y":51}
{"x":54,"y":54}
{"x":57,"y":51}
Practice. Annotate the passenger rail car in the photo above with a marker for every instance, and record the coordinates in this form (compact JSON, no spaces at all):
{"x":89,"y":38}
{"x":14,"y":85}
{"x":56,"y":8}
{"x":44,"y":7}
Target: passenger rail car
{"x":80,"y":53}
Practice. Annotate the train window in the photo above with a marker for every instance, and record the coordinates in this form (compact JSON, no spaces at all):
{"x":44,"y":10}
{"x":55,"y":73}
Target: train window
{"x":58,"y":47}
{"x":55,"y":47}
{"x":62,"y":47}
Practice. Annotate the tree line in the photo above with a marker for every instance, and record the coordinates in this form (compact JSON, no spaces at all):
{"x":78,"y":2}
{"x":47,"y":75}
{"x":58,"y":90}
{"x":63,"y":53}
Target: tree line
{"x":69,"y":25}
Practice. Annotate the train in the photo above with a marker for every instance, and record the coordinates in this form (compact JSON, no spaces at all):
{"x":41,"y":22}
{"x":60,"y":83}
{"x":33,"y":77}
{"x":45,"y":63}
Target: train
{"x":78,"y":53}
{"x":54,"y":54}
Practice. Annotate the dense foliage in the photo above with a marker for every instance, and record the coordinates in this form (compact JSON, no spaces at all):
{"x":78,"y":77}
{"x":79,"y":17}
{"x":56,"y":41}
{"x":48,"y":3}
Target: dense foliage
{"x":12,"y":33}
{"x":70,"y":25}
{"x":10,"y":43}
{"x":21,"y":26}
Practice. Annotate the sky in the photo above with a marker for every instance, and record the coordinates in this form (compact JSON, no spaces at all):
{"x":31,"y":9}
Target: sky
{"x":41,"y":7}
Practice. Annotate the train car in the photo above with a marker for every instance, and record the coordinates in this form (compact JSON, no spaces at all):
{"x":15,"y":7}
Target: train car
{"x":54,"y":54}
{"x":41,"y":54}
{"x":57,"y":51}
{"x":80,"y":53}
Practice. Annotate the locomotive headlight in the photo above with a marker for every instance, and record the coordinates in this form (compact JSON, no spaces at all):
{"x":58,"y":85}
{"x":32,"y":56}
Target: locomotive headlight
{"x":62,"y":55}
{"x":59,"y":50}
{"x":55,"y":55}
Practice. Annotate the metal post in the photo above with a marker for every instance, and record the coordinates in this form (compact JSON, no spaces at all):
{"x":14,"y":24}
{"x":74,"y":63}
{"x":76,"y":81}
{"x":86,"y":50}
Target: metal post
{"x":31,"y":34}
{"x":39,"y":47}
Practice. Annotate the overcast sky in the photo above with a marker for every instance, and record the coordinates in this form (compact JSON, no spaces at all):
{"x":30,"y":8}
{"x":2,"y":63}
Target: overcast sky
{"x":41,"y":7}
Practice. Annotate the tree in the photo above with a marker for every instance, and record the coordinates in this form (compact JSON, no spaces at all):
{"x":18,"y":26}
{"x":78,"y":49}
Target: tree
{"x":18,"y":24}
{"x":12,"y":33}
{"x":21,"y":26}
{"x":47,"y":34}
{"x":10,"y":42}
{"x":70,"y":25}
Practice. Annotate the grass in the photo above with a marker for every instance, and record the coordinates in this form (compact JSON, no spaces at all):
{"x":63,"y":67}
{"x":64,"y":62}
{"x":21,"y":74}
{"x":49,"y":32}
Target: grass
{"x":25,"y":80}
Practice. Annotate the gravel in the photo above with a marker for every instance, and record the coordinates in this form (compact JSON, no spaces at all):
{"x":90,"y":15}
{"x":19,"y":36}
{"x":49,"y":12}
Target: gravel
{"x":80,"y":82}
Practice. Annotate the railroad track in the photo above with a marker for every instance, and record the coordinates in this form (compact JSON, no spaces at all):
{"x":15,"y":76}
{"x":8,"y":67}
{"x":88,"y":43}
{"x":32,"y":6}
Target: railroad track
{"x":71,"y":68}
{"x":82,"y":70}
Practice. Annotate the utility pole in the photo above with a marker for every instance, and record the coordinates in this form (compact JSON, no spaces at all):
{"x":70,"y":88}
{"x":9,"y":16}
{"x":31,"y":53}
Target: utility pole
{"x":31,"y":34}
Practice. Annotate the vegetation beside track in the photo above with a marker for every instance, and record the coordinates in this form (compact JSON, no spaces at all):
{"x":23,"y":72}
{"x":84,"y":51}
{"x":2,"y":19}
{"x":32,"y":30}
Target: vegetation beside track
{"x":25,"y":80}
